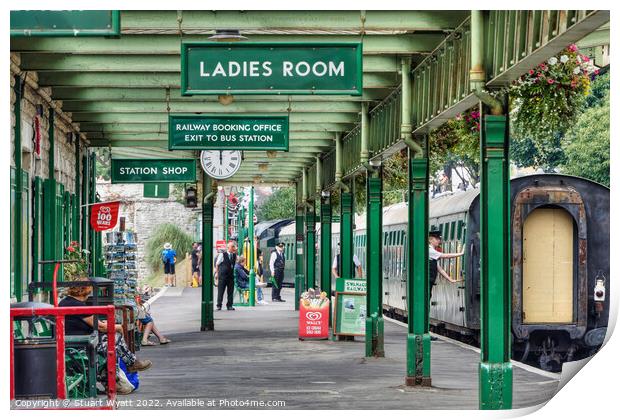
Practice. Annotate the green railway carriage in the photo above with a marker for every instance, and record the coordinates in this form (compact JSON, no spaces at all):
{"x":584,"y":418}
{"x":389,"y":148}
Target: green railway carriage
{"x":556,"y":315}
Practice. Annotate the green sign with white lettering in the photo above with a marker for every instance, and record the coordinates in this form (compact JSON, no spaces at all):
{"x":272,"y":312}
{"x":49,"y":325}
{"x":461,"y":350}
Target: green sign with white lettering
{"x":125,"y":171}
{"x":65,"y":23}
{"x":350,"y":285}
{"x":227,"y":132}
{"x":210,"y":68}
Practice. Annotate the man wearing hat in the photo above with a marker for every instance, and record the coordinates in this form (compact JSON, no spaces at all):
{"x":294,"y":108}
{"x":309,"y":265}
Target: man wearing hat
{"x":169,"y":257}
{"x":434,"y":240}
{"x":276,"y":267}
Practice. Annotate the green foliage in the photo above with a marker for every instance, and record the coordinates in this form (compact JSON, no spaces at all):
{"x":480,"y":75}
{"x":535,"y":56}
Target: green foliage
{"x":546,"y":155}
{"x":166,"y":232}
{"x":103,"y":163}
{"x":280,"y":205}
{"x":395,"y":178}
{"x":78,"y":270}
{"x":587,"y":144}
{"x":599,"y":89}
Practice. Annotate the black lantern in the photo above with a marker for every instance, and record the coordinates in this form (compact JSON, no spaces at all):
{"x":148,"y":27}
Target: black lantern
{"x":191,"y":197}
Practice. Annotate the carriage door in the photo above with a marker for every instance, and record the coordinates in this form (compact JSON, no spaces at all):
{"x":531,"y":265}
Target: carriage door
{"x":548,"y":267}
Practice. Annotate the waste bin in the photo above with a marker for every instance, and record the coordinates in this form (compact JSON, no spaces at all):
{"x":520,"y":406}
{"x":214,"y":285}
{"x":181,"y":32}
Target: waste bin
{"x":34,"y":358}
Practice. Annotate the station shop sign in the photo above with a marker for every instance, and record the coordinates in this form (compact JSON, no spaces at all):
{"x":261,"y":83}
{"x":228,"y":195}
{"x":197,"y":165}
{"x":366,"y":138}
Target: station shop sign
{"x":209,"y":68}
{"x":228,"y":132}
{"x":124,"y":171}
{"x":65,"y":23}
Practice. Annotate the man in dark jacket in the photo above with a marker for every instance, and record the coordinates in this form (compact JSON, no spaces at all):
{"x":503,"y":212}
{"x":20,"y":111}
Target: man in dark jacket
{"x":276,"y":267}
{"x":224,"y":269}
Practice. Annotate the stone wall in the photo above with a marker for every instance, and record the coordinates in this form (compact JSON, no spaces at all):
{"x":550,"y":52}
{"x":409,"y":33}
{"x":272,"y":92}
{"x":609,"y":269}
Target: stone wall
{"x":143,"y":215}
{"x":38,"y":165}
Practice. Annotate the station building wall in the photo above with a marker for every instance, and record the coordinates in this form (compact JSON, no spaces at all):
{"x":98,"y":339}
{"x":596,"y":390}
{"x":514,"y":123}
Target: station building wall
{"x":26,"y":250}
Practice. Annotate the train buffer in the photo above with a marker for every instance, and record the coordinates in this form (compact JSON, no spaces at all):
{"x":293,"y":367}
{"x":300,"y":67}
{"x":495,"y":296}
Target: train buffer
{"x":254,"y":360}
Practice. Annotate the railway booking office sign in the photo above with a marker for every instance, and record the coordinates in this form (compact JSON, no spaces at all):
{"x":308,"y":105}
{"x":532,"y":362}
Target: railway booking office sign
{"x":123,"y":171}
{"x":227,"y":132}
{"x":209,"y":68}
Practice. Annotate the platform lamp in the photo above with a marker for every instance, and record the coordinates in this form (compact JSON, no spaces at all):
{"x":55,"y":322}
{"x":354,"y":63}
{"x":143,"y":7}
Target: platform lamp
{"x":191,"y":197}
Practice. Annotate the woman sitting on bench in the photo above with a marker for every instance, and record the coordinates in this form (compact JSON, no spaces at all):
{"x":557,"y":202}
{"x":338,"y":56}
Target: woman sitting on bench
{"x":85,"y":325}
{"x":242,"y":274}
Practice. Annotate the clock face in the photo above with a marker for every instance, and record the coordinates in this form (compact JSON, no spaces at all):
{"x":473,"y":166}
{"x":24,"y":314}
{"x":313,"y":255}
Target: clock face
{"x":220,"y":164}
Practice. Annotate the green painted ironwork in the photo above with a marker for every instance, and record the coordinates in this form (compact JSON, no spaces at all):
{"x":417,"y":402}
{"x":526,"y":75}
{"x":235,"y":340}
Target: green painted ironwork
{"x":310,"y":247}
{"x":85,"y":200}
{"x":418,"y":293}
{"x":374,"y":265}
{"x":77,"y":211}
{"x":441,"y":86}
{"x":299,"y":249}
{"x":385,"y":120}
{"x":18,"y":192}
{"x":346,"y":233}
{"x":351,"y":147}
{"x":251,"y":257}
{"x":326,"y":248}
{"x":206,"y":306}
{"x":37,"y":229}
{"x":515,"y":40}
{"x":495,"y":278}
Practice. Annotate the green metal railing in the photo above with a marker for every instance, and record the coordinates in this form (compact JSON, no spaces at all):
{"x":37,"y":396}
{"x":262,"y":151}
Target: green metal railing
{"x":385,"y":120}
{"x":514,"y":36}
{"x":351,"y":148}
{"x":441,"y":81}
{"x":329,"y":169}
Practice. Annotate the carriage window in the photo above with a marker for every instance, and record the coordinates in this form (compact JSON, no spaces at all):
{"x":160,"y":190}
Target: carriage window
{"x":452,"y":230}
{"x":459,"y":230}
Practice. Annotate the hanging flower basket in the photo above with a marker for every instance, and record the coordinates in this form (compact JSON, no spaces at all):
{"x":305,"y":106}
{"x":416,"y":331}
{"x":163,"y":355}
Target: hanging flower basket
{"x":547,"y":99}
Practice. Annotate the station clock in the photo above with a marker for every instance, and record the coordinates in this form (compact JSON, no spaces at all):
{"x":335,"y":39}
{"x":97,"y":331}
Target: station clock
{"x":220,"y":164}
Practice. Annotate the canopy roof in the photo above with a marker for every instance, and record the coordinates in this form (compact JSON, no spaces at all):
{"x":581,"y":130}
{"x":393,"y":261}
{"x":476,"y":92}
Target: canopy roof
{"x":121,"y":90}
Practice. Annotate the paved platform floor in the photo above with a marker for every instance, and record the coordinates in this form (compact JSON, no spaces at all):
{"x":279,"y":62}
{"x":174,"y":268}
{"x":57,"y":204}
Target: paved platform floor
{"x":254,"y":354}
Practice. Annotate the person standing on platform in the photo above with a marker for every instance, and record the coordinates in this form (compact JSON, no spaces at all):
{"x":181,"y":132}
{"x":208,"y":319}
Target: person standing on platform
{"x":196,"y":262}
{"x":276,"y":267}
{"x":336,"y":265}
{"x":434,"y":240}
{"x":225,"y":275}
{"x":169,"y":258}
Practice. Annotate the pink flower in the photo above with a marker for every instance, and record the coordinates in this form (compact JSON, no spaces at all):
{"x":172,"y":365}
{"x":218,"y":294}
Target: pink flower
{"x":585,"y":58}
{"x":596,"y":71}
{"x":531,"y":72}
{"x":572,"y":48}
{"x":550,"y":81}
{"x":70,"y":249}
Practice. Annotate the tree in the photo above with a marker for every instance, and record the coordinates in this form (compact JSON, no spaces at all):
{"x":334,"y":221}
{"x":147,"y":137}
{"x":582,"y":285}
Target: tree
{"x":280,"y":205}
{"x":549,"y":155}
{"x":587,"y":144}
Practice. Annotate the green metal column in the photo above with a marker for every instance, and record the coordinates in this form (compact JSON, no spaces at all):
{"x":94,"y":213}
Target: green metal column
{"x":17,"y":215}
{"x":326,"y":249}
{"x":251,"y":257}
{"x":299,"y":252}
{"x":346,"y":234}
{"x":310,"y":247}
{"x":37,"y":236}
{"x":374,"y":264}
{"x":77,"y":198}
{"x":495,"y":281}
{"x":51,"y":216}
{"x":206,"y":306}
{"x":84,"y":210}
{"x":418,"y":337}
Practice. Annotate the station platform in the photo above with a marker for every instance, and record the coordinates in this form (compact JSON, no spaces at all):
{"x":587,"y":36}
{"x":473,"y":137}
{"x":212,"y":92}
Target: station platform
{"x":254,"y":355}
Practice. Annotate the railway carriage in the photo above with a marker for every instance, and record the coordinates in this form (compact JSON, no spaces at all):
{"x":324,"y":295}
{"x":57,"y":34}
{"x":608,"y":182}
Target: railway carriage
{"x":560,"y":265}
